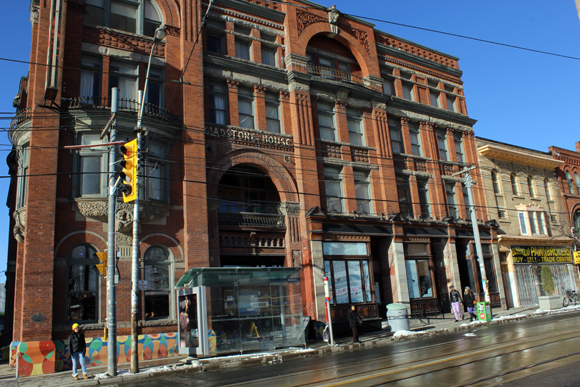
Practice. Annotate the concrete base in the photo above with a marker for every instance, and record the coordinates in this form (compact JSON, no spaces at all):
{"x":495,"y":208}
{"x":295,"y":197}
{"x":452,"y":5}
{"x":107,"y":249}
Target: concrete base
{"x":550,"y":302}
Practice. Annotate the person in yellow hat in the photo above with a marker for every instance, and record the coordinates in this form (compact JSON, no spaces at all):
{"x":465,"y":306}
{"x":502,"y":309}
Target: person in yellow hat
{"x":77,"y":347}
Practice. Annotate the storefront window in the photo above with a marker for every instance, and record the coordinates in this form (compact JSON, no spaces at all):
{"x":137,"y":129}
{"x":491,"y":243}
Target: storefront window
{"x":419,"y":278}
{"x":340,"y":282}
{"x":367,"y":278}
{"x":356,"y":289}
{"x":419,"y":273}
{"x":347,"y":267}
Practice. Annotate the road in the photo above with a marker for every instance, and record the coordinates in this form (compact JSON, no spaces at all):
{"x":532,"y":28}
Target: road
{"x":530,"y":352}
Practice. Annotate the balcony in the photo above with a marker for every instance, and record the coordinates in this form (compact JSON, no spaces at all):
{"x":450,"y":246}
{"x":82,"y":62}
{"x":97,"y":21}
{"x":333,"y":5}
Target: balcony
{"x":250,"y":214}
{"x":124,"y":104}
{"x":251,"y":219}
{"x":20,"y":117}
{"x":341,"y":76}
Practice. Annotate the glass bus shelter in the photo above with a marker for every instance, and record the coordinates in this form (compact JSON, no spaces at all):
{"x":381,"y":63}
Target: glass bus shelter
{"x":225,"y":310}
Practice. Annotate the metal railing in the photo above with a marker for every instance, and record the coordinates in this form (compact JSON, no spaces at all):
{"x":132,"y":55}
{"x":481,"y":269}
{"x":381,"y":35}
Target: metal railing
{"x":251,"y":219}
{"x":340,"y":75}
{"x":149,"y":109}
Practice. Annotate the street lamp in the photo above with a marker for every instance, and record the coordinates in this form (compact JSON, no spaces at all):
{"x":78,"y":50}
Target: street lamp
{"x":160,"y":34}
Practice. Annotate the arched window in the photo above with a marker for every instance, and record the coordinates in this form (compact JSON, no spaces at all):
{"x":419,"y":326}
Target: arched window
{"x":531,"y":187}
{"x":495,"y":182}
{"x":577,"y":222}
{"x":159,"y":277}
{"x":570,"y":183}
{"x":577,"y":181}
{"x":83,"y":284}
{"x":547,"y":188}
{"x":514,"y":184}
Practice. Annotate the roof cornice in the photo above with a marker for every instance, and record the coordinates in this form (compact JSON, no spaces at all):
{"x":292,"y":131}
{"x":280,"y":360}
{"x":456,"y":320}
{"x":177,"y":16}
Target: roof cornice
{"x":505,"y":154}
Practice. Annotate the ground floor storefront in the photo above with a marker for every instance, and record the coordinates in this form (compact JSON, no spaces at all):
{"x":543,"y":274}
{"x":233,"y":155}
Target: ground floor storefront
{"x":529,"y":264}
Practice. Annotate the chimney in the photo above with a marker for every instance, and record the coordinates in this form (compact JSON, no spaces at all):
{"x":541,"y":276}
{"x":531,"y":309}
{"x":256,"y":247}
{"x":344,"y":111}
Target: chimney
{"x":578,"y":146}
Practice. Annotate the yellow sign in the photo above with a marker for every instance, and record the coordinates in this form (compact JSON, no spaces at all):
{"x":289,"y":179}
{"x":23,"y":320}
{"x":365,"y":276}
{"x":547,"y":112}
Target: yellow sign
{"x":576,"y":255}
{"x":541,"y":254}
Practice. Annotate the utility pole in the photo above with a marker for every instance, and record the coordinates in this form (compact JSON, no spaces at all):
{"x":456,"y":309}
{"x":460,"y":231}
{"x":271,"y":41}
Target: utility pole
{"x":468,"y":182}
{"x":160,"y":34}
{"x":111,"y":287}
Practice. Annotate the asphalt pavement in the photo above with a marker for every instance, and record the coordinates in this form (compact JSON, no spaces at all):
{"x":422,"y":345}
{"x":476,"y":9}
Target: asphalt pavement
{"x":368,"y":337}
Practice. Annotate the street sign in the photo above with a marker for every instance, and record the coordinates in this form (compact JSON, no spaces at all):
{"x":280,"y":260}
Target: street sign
{"x":143,"y":285}
{"x":576,"y":255}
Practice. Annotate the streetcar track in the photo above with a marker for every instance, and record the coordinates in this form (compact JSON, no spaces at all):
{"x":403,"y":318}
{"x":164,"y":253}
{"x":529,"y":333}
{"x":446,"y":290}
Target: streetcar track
{"x":497,"y":346}
{"x":439,"y":362}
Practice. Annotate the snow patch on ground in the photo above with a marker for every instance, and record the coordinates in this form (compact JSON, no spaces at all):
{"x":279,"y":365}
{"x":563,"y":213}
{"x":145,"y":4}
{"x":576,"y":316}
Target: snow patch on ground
{"x":106,"y":375}
{"x":399,"y":334}
{"x":510,"y":317}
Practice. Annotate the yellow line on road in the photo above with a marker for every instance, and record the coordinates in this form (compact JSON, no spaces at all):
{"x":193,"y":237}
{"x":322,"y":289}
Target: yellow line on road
{"x":402,"y":368}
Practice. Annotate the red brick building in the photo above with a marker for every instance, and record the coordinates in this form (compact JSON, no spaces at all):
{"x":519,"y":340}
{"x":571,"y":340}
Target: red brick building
{"x":568,"y":173}
{"x":285,"y":137}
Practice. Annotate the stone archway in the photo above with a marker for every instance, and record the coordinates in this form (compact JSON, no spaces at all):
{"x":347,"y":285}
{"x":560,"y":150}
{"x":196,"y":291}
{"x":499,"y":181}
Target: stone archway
{"x":275,"y":170}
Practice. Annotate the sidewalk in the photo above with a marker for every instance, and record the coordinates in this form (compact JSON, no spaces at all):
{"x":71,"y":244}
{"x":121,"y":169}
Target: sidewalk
{"x":182,"y":364}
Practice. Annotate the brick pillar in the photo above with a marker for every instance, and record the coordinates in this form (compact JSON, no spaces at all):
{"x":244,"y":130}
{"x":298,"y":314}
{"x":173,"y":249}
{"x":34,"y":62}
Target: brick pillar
{"x":341,"y":123}
{"x":193,"y":187}
{"x":260,"y":104}
{"x":414,"y":196}
{"x":307,"y":183}
{"x":256,"y":46}
{"x":397,"y":83}
{"x":230,"y":40}
{"x":233,"y":102}
{"x":35,"y":267}
{"x":437,"y":188}
{"x":386,"y":183}
{"x":406,"y":135}
{"x":105,"y":91}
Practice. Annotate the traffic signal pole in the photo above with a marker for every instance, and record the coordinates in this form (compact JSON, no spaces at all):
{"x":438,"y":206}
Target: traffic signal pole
{"x":111,"y":288}
{"x":468,"y":182}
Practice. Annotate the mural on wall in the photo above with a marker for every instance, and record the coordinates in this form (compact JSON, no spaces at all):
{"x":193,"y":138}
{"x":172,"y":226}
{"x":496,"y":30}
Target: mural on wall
{"x":46,"y":357}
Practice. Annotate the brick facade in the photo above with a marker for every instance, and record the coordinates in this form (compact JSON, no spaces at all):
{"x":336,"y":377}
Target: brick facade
{"x":248,"y":148}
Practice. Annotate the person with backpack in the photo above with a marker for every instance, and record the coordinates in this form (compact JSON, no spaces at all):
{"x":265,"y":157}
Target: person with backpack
{"x":455,"y":298}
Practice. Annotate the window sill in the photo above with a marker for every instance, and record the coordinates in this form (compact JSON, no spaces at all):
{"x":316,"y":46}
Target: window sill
{"x":536,"y":199}
{"x":518,"y":197}
{"x":157,"y":323}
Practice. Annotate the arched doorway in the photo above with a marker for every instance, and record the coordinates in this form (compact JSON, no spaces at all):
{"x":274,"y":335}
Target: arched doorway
{"x":251,"y":226}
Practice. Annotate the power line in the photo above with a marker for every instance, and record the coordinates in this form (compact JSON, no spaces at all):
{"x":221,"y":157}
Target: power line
{"x":468,"y":37}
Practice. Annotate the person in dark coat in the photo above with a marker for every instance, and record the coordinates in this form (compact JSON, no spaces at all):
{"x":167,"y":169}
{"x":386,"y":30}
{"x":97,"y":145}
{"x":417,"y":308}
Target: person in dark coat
{"x":77,"y":347}
{"x":354,"y":321}
{"x":455,"y":298}
{"x":469,"y":300}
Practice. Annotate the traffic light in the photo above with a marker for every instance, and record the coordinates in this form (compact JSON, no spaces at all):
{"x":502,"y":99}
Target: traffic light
{"x":129,"y":173}
{"x":103,"y":259}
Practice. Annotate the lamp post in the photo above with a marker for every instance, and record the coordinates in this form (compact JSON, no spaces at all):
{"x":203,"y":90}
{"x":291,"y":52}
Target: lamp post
{"x":160,"y":34}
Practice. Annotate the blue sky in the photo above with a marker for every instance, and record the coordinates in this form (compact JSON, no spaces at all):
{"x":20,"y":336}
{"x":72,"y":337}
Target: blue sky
{"x":524,"y":98}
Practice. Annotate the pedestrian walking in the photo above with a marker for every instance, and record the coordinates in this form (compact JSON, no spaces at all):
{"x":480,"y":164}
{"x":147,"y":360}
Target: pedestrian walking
{"x":455,"y":298}
{"x":469,"y":300}
{"x":77,"y":347}
{"x":354,"y":321}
